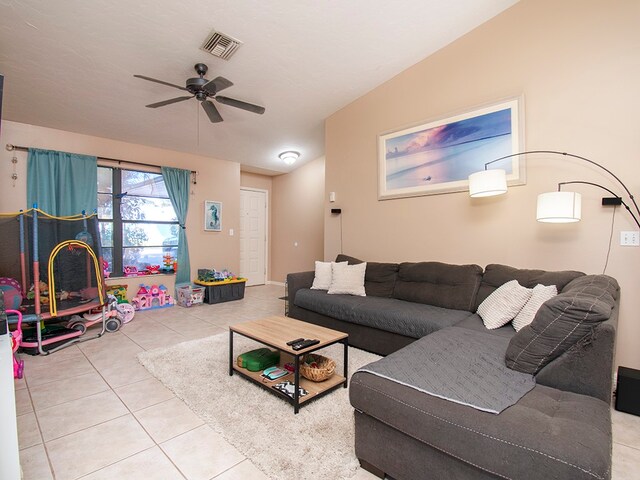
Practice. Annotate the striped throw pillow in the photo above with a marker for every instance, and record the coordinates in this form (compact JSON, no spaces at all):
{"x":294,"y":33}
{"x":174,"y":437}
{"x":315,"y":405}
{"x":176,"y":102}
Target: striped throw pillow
{"x":504,"y":304}
{"x":540,"y":294}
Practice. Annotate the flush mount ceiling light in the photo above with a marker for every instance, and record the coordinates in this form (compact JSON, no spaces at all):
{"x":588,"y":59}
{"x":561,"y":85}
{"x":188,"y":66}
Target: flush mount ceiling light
{"x":289,"y":157}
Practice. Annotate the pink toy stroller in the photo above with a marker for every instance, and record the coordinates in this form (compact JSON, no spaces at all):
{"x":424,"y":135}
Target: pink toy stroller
{"x":16,"y":338}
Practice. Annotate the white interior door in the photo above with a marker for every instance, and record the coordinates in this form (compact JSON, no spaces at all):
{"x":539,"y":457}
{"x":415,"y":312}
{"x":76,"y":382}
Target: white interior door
{"x":253,"y":236}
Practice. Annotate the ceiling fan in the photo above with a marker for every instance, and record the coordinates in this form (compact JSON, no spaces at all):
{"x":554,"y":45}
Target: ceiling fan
{"x":203,"y":89}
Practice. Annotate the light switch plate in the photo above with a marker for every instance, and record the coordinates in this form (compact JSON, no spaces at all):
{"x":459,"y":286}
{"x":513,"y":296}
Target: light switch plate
{"x":630,"y":238}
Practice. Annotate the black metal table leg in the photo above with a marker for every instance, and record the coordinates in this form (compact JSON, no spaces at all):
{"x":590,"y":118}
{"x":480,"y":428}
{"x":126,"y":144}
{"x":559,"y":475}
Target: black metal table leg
{"x":345,"y":342}
{"x":296,"y":385}
{"x":230,"y":353}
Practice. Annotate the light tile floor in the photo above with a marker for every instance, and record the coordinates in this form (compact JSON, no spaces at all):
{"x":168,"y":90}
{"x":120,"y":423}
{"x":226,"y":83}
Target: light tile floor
{"x":91,"y":411}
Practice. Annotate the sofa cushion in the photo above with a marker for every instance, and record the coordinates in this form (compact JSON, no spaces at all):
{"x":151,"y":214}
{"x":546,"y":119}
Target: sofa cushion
{"x":496,"y":275}
{"x":438,"y":284}
{"x":561,"y":322}
{"x":503,"y":304}
{"x":544,"y":435}
{"x":405,"y":318}
{"x":379,"y":278}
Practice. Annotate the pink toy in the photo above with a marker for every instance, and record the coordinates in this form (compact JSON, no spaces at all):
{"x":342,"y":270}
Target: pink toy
{"x":12,"y":292}
{"x":115,"y":316}
{"x":130,"y":271}
{"x":152,"y":297}
{"x":16,"y":338}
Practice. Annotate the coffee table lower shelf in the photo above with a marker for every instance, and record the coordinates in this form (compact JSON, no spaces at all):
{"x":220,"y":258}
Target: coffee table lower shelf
{"x":314,"y":389}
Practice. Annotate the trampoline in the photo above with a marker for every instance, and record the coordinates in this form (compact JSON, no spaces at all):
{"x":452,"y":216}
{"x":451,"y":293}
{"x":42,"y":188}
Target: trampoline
{"x":56,"y":264}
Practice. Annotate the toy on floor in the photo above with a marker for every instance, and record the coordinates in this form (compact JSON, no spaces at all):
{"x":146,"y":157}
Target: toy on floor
{"x":16,"y":338}
{"x":116,"y":315}
{"x":189,"y":295}
{"x":152,"y":297}
{"x":118,"y":291}
{"x":55,"y":257}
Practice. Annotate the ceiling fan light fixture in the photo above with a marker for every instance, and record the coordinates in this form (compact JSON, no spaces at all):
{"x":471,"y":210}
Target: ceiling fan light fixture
{"x":289,"y":157}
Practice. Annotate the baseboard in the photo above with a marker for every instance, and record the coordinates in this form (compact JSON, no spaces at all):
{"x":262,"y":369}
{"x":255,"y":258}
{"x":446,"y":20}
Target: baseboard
{"x":280,"y":284}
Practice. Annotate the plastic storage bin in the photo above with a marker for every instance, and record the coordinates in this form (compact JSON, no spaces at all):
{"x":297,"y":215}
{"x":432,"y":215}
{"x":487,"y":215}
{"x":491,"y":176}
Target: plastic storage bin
{"x":227,"y":291}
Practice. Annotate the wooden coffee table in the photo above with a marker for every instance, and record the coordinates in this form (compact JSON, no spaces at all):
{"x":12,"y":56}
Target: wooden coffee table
{"x":275,"y":332}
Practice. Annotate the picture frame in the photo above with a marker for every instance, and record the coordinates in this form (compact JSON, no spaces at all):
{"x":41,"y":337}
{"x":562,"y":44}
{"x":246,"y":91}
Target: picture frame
{"x":212,"y":216}
{"x":437,"y":156}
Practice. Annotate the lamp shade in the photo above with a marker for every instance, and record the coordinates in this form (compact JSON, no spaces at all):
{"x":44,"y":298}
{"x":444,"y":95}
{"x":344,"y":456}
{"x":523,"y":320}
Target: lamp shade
{"x":487,"y":183}
{"x":559,"y":207}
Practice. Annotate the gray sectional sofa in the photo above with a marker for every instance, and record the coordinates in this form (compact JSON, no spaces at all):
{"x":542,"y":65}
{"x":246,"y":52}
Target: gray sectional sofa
{"x":560,"y":429}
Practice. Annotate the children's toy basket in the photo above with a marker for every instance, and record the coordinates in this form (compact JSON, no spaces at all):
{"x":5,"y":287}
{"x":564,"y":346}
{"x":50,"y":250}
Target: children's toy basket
{"x":317,"y":368}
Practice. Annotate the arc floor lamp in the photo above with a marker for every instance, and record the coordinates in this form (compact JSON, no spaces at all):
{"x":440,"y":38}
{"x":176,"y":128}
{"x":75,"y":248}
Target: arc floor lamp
{"x":553,"y":207}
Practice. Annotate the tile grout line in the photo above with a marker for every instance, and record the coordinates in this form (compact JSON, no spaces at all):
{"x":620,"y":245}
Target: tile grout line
{"x":156,"y":444}
{"x":44,"y":443}
{"x":628,"y":446}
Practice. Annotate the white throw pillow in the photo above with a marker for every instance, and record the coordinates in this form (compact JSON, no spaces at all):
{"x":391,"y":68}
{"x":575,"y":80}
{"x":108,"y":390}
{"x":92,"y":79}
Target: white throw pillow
{"x":347,"y":279}
{"x":540,"y":294}
{"x":501,"y":306}
{"x":322,"y":280}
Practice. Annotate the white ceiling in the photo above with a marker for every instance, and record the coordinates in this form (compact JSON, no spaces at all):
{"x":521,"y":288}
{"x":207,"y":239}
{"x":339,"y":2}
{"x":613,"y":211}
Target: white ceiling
{"x":70,"y":64}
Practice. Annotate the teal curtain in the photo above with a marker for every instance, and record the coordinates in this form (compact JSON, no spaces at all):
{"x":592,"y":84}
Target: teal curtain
{"x":177,"y":182}
{"x":62,"y":183}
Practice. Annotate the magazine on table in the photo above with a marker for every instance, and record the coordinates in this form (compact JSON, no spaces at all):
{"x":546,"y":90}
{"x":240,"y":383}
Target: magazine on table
{"x":288,"y":388}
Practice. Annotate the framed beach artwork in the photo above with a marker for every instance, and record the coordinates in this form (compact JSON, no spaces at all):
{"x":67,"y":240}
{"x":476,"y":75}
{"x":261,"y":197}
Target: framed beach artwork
{"x":438,"y":156}
{"x":212,"y":216}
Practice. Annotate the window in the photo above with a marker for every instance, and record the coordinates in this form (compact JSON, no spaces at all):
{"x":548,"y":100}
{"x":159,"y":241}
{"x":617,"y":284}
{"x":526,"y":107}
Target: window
{"x":138,"y":225}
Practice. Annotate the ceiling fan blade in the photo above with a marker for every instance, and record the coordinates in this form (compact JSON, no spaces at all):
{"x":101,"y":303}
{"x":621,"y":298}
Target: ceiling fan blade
{"x":216,"y":85}
{"x":159,"y":81}
{"x":212,"y":111}
{"x":250,"y":107}
{"x":169,"y":102}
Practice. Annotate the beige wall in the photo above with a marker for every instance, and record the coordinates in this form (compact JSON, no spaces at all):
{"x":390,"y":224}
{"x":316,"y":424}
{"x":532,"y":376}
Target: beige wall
{"x":297,"y":219}
{"x":262,"y":182}
{"x":576,"y":62}
{"x":217,"y":180}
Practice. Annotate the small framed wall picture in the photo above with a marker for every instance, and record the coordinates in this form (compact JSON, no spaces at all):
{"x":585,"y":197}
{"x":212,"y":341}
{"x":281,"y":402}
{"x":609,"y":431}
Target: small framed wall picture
{"x":212,"y":216}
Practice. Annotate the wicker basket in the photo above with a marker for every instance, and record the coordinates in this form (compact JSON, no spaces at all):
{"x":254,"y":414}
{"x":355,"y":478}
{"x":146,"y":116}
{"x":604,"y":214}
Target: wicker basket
{"x":325,"y":369}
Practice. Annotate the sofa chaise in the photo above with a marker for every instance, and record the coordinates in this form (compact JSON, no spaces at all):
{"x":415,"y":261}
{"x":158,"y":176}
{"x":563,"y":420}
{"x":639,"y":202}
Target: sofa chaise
{"x":559,"y":429}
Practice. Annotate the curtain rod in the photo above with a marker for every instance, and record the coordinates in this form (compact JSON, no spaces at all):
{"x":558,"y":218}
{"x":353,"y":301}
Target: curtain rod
{"x":11,"y":147}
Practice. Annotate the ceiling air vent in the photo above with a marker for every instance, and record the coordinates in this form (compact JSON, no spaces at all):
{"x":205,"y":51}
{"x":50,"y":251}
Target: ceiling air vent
{"x":221,"y":45}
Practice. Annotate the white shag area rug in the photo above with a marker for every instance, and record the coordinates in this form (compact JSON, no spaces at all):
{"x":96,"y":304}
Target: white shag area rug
{"x":316,"y":443}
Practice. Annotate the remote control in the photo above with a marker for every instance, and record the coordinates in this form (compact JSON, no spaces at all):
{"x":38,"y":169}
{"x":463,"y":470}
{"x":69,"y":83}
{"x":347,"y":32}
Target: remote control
{"x":305,"y":344}
{"x":297,"y":340}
